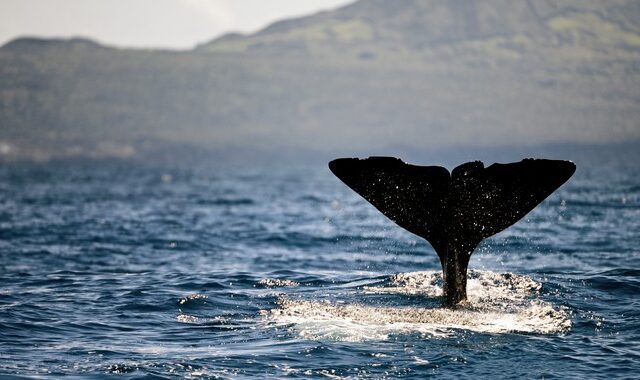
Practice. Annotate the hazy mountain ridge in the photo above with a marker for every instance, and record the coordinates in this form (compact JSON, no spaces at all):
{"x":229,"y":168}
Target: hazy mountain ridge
{"x":423,"y":24}
{"x":422,"y":74}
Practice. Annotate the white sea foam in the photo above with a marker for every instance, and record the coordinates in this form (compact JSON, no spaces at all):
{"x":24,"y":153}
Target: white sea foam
{"x":276,"y":282}
{"x":191,"y":319}
{"x":497,"y":303}
{"x":190,"y":297}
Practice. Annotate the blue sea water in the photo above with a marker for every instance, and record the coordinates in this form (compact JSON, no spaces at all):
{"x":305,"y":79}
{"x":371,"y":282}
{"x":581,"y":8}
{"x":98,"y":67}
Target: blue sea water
{"x":150,"y":271}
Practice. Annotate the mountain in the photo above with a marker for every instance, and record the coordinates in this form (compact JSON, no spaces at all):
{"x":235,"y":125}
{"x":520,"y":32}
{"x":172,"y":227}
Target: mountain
{"x":373,"y":76}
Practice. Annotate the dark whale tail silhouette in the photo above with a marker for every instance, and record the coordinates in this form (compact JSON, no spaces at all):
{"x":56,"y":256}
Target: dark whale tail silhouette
{"x":456,"y":211}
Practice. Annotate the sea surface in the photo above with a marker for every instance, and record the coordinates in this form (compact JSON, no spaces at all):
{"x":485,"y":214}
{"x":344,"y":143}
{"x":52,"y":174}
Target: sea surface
{"x":123,"y":269}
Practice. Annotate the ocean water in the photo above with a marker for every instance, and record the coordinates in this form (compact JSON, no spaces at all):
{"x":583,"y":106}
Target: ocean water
{"x":149,"y":271}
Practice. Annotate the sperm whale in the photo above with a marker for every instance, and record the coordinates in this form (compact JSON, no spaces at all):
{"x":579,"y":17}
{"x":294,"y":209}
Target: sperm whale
{"x":453,"y":211}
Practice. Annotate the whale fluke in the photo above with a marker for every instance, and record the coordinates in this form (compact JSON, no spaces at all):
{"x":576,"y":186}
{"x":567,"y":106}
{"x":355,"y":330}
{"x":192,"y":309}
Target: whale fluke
{"x":454,"y":212}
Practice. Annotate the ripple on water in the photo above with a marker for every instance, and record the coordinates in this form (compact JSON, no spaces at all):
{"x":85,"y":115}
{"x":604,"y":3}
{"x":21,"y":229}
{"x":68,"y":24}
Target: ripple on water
{"x":223,"y":272}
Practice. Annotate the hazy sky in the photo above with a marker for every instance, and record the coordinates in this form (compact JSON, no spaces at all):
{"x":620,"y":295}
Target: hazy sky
{"x":147,"y":23}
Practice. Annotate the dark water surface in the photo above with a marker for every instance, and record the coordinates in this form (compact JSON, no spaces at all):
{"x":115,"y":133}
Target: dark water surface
{"x":121,"y":268}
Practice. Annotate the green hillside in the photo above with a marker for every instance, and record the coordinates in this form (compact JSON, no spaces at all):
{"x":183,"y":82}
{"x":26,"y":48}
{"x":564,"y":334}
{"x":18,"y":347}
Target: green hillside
{"x":374,"y":74}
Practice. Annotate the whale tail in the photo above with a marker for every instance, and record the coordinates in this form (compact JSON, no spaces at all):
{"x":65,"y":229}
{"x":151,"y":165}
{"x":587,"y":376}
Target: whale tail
{"x":453,"y":211}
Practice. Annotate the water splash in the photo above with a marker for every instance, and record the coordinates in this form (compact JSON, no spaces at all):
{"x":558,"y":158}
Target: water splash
{"x":484,"y":289}
{"x":498,"y":303}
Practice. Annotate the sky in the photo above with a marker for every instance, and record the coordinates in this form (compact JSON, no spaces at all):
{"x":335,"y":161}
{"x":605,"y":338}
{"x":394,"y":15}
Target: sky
{"x":173,"y":24}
